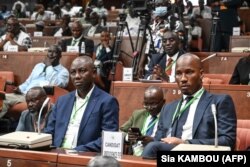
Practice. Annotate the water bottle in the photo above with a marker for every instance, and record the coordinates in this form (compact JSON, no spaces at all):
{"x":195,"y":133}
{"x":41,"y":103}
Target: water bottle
{"x":82,"y":48}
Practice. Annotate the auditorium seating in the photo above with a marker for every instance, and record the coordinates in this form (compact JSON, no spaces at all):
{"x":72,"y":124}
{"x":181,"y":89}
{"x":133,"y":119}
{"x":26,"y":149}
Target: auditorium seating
{"x":8,"y":76}
{"x":216,"y":78}
{"x":243,"y":135}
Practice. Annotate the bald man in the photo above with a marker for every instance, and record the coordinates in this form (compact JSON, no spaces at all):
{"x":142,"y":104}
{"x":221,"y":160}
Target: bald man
{"x":145,"y":119}
{"x":78,"y":118}
{"x":190,"y":119}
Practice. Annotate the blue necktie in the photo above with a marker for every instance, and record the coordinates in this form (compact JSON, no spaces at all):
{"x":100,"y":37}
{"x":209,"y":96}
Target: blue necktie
{"x":178,"y":124}
{"x":151,"y":128}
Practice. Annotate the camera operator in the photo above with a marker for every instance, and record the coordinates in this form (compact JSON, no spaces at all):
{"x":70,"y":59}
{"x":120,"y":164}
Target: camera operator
{"x":226,"y":10}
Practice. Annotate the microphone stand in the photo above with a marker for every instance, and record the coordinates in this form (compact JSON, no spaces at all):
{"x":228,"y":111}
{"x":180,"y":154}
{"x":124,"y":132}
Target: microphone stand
{"x":215,"y":21}
{"x":40,"y":113}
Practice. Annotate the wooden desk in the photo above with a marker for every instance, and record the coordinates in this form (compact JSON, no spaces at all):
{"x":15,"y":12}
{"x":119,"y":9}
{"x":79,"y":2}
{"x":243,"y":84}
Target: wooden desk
{"x":222,"y":63}
{"x":240,"y":95}
{"x":130,"y":96}
{"x":82,"y":159}
{"x":58,"y":157}
{"x":239,"y":41}
{"x":25,"y":158}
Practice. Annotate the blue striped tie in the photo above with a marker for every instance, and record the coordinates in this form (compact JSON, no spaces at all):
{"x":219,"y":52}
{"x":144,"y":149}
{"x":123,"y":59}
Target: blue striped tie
{"x":151,"y":128}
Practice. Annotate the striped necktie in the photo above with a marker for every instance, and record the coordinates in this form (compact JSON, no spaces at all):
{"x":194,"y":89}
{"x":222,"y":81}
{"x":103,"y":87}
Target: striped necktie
{"x":151,"y":125}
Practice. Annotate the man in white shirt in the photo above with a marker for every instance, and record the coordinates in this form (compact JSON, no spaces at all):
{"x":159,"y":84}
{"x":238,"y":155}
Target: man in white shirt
{"x":14,"y":37}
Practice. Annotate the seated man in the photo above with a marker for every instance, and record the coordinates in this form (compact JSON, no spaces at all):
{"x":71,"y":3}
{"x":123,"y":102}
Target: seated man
{"x":145,"y":119}
{"x":104,"y":54}
{"x":48,"y":72}
{"x":190,"y":119}
{"x":14,"y":36}
{"x":162,"y":66}
{"x":28,"y":121}
{"x":79,"y":117}
{"x":64,"y":30}
{"x":95,"y":28}
{"x":86,"y":46}
{"x":241,"y":74}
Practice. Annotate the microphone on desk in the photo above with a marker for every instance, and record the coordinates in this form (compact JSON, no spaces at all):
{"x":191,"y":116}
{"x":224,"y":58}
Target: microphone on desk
{"x":40,"y":113}
{"x":213,"y":109}
{"x":202,"y":147}
{"x":209,"y":57}
{"x":28,"y":140}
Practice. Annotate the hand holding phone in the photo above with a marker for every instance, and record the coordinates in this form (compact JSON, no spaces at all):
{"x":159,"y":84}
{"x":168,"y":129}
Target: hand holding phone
{"x":133,"y":134}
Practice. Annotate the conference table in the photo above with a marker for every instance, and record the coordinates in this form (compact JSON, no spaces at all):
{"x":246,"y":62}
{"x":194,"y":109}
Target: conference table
{"x":60,"y":158}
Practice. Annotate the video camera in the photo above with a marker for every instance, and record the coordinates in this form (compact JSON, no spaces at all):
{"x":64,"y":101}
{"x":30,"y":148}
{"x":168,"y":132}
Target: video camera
{"x":142,"y":7}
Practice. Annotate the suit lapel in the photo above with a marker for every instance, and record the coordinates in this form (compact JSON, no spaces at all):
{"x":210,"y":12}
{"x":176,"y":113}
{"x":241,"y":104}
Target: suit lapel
{"x":89,"y":109}
{"x":66,"y":112}
{"x":201,"y":108}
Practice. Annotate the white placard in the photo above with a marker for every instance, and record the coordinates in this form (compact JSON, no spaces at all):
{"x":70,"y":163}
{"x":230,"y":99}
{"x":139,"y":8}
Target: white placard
{"x":38,"y":34}
{"x":72,"y":48}
{"x":127,"y":74}
{"x":112,"y":144}
{"x":53,"y":17}
{"x":12,"y":48}
{"x":236,"y":31}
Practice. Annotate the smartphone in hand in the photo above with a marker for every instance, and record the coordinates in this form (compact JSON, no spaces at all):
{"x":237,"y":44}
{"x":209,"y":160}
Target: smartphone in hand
{"x":136,"y":130}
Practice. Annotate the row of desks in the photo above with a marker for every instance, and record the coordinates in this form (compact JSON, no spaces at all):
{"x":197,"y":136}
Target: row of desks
{"x":59,"y":158}
{"x":22,"y":63}
{"x":130,"y":96}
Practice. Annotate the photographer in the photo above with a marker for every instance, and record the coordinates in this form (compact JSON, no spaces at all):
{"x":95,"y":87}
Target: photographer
{"x":226,"y":10}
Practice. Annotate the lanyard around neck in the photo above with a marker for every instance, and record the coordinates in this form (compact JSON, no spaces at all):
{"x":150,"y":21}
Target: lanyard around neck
{"x":178,"y":114}
{"x":145,"y":128}
{"x":76,"y":110}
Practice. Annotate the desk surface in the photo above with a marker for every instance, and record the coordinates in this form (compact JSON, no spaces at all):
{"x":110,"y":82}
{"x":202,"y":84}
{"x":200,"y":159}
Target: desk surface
{"x":58,"y":157}
{"x":21,"y":158}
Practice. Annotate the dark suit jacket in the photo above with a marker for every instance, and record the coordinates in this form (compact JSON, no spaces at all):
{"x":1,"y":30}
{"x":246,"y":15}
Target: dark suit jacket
{"x":100,"y":114}
{"x":159,"y":59}
{"x":203,"y":125}
{"x":229,"y":16}
{"x":241,"y":72}
{"x":89,"y":45}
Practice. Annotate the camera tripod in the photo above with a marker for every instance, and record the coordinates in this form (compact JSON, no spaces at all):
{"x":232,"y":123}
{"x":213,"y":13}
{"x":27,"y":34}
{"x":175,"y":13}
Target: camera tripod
{"x":143,"y":28}
{"x":215,"y":21}
{"x":118,"y":40}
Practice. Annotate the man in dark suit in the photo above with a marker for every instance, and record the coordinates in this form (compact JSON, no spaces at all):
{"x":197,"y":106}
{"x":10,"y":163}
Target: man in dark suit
{"x":86,"y":46}
{"x":162,"y":66}
{"x":228,"y":18}
{"x":191,"y":121}
{"x":78,"y":118}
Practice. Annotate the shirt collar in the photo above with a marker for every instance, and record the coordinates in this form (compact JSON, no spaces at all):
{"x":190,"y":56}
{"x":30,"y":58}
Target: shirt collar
{"x":173,"y":57}
{"x":184,"y":96}
{"x":88,"y":95}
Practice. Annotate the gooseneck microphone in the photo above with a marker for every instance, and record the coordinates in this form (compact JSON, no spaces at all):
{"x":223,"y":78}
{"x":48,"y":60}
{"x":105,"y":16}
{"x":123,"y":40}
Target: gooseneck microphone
{"x":213,"y":109}
{"x":40,"y":113}
{"x":209,"y":57}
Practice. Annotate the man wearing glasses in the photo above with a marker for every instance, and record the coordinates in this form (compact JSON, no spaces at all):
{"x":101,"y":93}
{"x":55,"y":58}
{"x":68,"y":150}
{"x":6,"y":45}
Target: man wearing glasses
{"x":142,"y":125}
{"x":48,"y":72}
